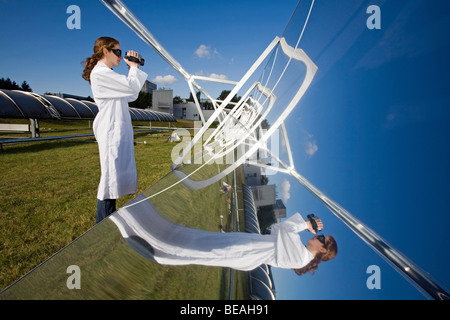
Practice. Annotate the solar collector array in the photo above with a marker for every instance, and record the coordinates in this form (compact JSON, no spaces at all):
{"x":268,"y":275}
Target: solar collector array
{"x":25,"y":105}
{"x":13,"y":102}
{"x":260,"y":283}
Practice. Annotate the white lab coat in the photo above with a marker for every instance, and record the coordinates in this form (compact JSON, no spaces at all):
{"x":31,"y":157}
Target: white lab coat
{"x":113,"y":129}
{"x":142,"y":226}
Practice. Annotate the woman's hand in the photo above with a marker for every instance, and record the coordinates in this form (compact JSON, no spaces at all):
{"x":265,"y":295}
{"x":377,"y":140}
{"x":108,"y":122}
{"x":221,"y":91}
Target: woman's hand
{"x":319,"y":225}
{"x":130,"y":63}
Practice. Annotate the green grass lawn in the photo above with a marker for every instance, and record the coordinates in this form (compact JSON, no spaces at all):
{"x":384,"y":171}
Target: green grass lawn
{"x":48,"y":199}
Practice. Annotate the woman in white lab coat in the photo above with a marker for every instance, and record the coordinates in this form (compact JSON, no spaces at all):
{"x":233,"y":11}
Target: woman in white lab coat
{"x":112,"y":125}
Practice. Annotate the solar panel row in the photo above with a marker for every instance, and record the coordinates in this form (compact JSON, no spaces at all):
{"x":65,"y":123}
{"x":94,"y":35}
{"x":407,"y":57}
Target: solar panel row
{"x":261,"y":285}
{"x":20,"y":104}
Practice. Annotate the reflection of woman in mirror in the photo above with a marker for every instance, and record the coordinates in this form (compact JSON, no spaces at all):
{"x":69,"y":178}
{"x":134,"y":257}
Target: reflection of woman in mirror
{"x":325,"y":251}
{"x":167,"y":243}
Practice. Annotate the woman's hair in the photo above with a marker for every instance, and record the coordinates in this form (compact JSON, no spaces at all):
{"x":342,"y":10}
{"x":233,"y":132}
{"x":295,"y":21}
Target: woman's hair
{"x":100,"y":44}
{"x":331,"y":246}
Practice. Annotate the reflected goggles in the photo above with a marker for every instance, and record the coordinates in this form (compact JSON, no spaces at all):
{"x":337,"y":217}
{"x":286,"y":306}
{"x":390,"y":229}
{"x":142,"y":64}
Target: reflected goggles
{"x":321,"y":238}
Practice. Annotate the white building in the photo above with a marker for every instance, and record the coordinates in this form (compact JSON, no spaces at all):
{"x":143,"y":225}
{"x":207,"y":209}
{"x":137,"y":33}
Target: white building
{"x":162,"y":101}
{"x":263,"y":194}
{"x":188,"y":110}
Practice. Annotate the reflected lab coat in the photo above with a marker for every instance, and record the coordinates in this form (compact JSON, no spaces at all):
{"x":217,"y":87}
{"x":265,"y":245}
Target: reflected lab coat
{"x":172,"y":244}
{"x":113,"y":129}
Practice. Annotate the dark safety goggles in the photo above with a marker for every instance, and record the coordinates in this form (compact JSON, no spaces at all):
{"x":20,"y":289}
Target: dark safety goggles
{"x":117,"y":52}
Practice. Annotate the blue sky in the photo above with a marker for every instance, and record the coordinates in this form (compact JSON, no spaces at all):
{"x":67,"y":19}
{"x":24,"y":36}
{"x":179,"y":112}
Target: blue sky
{"x":371,"y":132}
{"x":223,"y":38}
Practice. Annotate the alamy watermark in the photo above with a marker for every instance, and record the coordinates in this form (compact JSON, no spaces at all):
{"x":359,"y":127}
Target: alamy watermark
{"x":74,"y":20}
{"x":374,"y":280}
{"x":74,"y":280}
{"x":374,"y":20}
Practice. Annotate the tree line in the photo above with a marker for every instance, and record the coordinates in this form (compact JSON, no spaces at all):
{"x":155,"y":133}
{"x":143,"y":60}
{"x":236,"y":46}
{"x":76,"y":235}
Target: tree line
{"x":143,"y":101}
{"x":8,"y":84}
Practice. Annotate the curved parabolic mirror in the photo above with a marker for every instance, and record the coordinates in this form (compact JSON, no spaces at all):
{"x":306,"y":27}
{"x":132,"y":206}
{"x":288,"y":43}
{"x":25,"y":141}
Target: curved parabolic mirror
{"x":156,"y":115}
{"x":149,"y":115}
{"x":91,"y":105}
{"x":133,"y":115}
{"x":47,"y":104}
{"x":66,"y":110}
{"x":81,"y":108}
{"x":29,"y":106}
{"x":285,"y":78}
{"x":8,"y":108}
{"x":140,"y":114}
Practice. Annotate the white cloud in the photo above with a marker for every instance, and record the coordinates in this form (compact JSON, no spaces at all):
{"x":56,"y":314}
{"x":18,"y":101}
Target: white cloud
{"x":311,"y":148}
{"x":285,"y":190}
{"x":165,"y":80}
{"x":212,"y":75}
{"x":218,"y":76}
{"x":310,"y":144}
{"x":204,"y":51}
